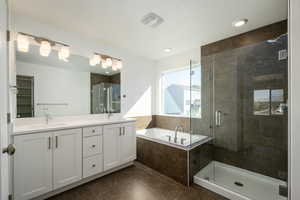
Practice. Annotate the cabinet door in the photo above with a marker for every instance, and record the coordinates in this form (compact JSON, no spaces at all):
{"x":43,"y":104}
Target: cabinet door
{"x":67,"y":157}
{"x":111,"y":140}
{"x":128,"y":143}
{"x":32,"y":165}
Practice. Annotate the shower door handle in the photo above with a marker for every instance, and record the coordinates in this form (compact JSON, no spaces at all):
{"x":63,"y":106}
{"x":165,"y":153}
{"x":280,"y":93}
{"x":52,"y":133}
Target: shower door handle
{"x":218,"y":118}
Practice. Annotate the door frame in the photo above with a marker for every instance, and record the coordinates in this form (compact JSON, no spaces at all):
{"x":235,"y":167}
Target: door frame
{"x":4,"y":160}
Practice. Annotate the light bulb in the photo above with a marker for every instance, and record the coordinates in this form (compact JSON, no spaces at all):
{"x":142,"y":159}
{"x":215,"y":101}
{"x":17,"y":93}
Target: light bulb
{"x":95,"y":59}
{"x":104,"y":66}
{"x":23,"y":43}
{"x":108,"y":62}
{"x":119,"y":64}
{"x":64,"y":53}
{"x":114,"y":68}
{"x":114,"y":63}
{"x":45,"y":48}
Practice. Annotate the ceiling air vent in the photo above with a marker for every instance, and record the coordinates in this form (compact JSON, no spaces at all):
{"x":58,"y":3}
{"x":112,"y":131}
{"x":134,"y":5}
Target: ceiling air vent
{"x":152,"y":20}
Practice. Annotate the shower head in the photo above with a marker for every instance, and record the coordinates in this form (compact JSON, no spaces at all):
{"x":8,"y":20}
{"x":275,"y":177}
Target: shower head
{"x":274,"y":40}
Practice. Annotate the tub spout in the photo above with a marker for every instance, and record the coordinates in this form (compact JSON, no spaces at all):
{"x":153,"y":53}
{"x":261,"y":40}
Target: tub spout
{"x":179,"y":127}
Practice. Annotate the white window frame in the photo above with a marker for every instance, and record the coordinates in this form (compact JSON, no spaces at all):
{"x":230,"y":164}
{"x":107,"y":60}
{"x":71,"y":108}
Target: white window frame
{"x":161,"y":95}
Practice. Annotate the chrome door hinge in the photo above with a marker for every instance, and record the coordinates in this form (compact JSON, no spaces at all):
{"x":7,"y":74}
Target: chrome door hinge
{"x":10,"y":197}
{"x":8,"y":118}
{"x":7,"y":35}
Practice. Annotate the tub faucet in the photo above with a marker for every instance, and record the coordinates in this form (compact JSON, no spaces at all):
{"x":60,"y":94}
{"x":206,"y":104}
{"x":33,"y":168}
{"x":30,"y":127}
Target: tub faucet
{"x":179,"y":127}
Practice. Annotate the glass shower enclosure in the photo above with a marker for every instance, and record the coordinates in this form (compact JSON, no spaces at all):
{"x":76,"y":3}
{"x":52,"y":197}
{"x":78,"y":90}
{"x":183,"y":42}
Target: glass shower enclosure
{"x":244,"y":95}
{"x":105,"y":98}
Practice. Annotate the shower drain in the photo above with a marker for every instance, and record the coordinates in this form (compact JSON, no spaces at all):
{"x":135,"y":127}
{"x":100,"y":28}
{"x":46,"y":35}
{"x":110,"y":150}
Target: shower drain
{"x":238,"y":184}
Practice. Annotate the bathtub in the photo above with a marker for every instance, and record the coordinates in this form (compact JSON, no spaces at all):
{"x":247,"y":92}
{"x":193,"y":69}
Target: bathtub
{"x":185,"y":141}
{"x":156,"y":149}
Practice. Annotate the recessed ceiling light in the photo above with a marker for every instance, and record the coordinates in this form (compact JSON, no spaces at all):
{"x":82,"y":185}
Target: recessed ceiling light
{"x":240,"y":22}
{"x":167,"y":50}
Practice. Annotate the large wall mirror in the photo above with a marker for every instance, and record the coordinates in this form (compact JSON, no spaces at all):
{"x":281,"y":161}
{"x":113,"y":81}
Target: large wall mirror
{"x":48,"y":85}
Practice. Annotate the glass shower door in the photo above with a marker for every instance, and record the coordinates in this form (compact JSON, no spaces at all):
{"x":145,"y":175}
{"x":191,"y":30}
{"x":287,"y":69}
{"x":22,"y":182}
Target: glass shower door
{"x":200,"y":101}
{"x":250,"y":90}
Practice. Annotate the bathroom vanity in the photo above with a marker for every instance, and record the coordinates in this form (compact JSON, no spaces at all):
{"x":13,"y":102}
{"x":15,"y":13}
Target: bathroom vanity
{"x":51,"y":158}
{"x":64,"y":134}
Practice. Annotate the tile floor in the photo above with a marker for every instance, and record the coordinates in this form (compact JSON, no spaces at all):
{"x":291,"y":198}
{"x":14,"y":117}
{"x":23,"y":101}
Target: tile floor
{"x":136,"y":183}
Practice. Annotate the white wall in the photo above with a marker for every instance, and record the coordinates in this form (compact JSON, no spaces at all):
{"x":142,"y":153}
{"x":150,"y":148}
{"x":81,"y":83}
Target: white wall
{"x":57,"y":85}
{"x":173,"y":62}
{"x":295,"y":99}
{"x":137,"y":76}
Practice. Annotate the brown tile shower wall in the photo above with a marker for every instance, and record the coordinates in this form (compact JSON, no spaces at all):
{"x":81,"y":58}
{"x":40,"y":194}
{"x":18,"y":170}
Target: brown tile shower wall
{"x":248,"y":38}
{"x":243,"y":64}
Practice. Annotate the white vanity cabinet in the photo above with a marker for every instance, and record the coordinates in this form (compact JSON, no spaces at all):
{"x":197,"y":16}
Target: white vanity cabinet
{"x":67,"y":157}
{"x":118,"y":144}
{"x":32,"y":165}
{"x":128,"y":143}
{"x":92,"y":151}
{"x":46,"y":161}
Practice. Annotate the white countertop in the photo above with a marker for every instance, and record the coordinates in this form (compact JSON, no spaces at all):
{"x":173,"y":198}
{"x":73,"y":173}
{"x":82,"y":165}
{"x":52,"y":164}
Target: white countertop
{"x":43,"y":127}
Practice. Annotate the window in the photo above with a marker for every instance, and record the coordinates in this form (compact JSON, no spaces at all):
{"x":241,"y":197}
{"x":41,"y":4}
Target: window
{"x":181,"y":93}
{"x":269,"y":102}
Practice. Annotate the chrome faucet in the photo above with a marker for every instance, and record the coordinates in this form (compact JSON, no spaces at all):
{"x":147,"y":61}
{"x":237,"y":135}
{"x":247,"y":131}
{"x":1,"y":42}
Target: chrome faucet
{"x":48,"y":117}
{"x":179,"y":127}
{"x":109,"y":114}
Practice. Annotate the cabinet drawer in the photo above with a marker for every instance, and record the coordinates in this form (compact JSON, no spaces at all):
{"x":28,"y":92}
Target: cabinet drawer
{"x":90,"y":131}
{"x":92,"y":165}
{"x":92,"y":145}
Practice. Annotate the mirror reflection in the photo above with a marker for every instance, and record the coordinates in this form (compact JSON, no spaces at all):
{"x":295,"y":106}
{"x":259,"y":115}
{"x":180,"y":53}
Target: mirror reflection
{"x":50,"y":86}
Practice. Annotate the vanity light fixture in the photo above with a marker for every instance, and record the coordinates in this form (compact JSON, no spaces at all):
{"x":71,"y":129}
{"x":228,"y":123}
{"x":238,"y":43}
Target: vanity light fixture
{"x":46,"y":45}
{"x":116,"y":64}
{"x":95,"y":60}
{"x":22,"y":42}
{"x":104,"y":66}
{"x":240,"y":22}
{"x":64,"y":53}
{"x":108,"y":62}
{"x":114,"y":67}
{"x":45,"y":48}
{"x":119,"y":64}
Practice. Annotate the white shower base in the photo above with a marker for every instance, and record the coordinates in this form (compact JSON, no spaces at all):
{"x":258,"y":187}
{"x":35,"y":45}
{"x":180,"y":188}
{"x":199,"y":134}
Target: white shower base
{"x":221,"y":178}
